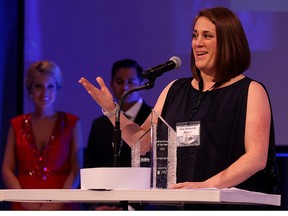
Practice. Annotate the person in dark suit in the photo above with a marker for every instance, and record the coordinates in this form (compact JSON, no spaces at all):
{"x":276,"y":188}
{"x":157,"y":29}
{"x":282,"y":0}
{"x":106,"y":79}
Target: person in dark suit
{"x":126,"y":74}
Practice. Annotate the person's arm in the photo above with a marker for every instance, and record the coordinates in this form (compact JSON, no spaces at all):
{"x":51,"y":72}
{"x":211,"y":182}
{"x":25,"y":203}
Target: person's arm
{"x":76,"y":158}
{"x":131,"y":132}
{"x":8,"y":169}
{"x":9,"y":163}
{"x":257,"y":130}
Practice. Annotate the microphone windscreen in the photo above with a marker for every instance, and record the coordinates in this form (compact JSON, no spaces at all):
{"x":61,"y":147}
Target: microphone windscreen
{"x":177,"y":61}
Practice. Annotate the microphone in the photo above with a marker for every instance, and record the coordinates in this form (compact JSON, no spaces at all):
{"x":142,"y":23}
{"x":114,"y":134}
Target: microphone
{"x":154,"y":72}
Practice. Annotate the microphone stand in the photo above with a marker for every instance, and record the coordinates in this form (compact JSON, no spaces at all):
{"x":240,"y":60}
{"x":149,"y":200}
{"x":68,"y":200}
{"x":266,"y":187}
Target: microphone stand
{"x":117,"y":131}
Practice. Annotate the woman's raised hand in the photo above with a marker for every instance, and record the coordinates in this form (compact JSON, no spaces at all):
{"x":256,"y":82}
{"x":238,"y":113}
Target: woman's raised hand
{"x":101,"y":95}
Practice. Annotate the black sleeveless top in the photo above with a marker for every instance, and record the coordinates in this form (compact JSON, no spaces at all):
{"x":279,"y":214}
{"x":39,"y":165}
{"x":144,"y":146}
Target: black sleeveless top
{"x":222,"y":114}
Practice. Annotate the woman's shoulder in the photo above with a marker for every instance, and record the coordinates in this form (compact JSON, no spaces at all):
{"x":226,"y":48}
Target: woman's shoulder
{"x":257,"y":88}
{"x":20,"y":118}
{"x":178,"y":83}
{"x":254,"y":88}
{"x":184,"y":80}
{"x":254,"y":85}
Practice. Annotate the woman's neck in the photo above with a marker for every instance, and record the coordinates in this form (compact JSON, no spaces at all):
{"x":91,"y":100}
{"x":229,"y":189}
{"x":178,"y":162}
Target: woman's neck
{"x":208,"y":81}
{"x":44,"y":113}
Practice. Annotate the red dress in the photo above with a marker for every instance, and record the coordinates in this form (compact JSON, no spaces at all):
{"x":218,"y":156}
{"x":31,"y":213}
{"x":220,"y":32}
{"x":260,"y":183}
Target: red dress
{"x":47,"y":169}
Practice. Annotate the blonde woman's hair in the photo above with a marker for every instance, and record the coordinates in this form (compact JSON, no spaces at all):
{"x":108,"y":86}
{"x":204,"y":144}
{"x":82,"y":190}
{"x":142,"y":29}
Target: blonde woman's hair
{"x":44,"y":68}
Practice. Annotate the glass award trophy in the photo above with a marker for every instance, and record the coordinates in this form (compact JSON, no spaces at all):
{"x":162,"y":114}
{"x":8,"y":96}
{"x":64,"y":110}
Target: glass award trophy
{"x":163,"y":157}
{"x":138,"y":160}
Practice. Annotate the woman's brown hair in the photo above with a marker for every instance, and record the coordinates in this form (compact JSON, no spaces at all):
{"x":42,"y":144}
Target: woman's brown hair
{"x":233,"y":53}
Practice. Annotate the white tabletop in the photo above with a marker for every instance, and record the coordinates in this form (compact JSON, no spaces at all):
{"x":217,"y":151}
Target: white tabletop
{"x":233,"y":195}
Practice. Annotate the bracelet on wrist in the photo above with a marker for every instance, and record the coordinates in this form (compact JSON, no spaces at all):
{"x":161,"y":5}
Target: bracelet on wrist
{"x":113,"y":112}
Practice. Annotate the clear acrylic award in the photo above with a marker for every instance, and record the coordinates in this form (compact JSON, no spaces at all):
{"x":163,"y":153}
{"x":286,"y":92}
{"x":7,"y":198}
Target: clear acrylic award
{"x":163,"y":155}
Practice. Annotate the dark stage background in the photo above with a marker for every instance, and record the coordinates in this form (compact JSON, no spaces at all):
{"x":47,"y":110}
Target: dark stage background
{"x":86,"y":36}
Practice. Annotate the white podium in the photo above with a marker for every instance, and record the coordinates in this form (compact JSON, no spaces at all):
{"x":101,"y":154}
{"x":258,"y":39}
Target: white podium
{"x":166,"y":196}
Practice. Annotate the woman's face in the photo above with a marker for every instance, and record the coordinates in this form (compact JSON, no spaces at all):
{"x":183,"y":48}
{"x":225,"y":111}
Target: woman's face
{"x":204,"y":45}
{"x":43,"y":91}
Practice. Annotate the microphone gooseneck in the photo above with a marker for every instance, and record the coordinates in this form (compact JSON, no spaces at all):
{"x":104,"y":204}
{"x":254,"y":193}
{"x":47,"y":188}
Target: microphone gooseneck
{"x":151,"y":74}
